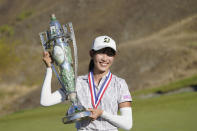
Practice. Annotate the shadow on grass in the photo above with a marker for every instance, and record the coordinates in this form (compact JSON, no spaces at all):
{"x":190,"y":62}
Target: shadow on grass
{"x":186,"y":89}
{"x":194,"y":87}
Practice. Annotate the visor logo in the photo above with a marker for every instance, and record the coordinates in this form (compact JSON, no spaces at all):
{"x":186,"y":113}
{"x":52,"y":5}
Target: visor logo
{"x":107,"y":40}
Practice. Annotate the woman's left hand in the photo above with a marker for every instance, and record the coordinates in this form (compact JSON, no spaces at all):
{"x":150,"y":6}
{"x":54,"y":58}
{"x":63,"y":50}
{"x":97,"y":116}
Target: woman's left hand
{"x":95,"y":113}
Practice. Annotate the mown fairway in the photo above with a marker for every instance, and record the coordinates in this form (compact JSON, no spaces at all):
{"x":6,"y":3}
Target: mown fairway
{"x":175,"y":112}
{"x":166,"y":113}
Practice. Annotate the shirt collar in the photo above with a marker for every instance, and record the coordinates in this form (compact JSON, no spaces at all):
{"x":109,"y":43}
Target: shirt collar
{"x":86,"y":76}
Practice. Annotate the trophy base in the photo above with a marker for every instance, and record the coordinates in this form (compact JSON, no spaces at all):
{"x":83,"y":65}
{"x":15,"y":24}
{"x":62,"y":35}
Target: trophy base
{"x":76,"y":113}
{"x":84,"y":115}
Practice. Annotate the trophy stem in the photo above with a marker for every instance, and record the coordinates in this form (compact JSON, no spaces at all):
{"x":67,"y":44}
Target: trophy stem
{"x":73,"y":98}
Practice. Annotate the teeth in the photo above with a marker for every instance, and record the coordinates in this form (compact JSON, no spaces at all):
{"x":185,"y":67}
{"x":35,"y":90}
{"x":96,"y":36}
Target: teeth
{"x":103,"y":64}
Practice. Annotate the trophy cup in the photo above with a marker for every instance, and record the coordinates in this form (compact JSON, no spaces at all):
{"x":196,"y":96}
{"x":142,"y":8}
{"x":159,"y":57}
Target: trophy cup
{"x":56,"y":41}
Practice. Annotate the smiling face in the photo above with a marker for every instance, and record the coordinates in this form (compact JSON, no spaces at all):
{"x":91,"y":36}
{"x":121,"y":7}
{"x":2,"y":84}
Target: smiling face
{"x":103,"y":59}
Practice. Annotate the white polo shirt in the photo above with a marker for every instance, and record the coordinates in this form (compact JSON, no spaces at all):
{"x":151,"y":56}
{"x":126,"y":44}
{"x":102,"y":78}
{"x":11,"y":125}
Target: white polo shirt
{"x":117,"y":92}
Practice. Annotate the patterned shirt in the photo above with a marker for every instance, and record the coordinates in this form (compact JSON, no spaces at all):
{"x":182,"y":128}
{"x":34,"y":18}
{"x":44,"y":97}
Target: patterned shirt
{"x":117,"y":92}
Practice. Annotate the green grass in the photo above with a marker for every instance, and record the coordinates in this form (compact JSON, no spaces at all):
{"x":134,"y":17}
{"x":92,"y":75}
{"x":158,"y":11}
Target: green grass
{"x":165,"y":113}
{"x":39,"y":119}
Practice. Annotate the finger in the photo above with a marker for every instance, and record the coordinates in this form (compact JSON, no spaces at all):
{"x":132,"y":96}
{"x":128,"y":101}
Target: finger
{"x":47,"y":54}
{"x":90,"y":109}
{"x":93,"y":116}
{"x":44,"y":53}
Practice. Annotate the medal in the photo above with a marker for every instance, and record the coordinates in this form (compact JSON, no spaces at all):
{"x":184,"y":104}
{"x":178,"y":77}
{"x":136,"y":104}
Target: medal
{"x":96,"y":98}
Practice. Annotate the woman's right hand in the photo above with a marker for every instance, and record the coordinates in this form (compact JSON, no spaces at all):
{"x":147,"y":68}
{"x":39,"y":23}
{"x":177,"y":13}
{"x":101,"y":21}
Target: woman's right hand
{"x":47,"y":59}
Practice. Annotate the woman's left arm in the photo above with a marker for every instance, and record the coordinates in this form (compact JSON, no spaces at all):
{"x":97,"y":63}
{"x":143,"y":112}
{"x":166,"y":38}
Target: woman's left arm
{"x":124,"y":120}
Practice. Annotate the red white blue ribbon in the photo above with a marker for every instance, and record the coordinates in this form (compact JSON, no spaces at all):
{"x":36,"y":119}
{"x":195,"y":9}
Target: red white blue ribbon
{"x":96,"y":98}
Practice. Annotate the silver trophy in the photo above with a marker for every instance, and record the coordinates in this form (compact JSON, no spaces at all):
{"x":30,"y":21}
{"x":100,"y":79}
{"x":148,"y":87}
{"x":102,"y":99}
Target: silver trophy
{"x":57,"y":42}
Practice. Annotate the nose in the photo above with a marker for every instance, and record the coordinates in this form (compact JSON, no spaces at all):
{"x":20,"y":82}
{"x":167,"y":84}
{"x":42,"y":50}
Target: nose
{"x":104,"y":57}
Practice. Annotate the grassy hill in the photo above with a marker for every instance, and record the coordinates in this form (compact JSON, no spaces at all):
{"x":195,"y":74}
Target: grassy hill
{"x":156,"y":41}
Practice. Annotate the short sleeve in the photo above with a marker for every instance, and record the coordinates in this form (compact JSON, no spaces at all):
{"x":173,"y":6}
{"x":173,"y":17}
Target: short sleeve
{"x":124,"y":94}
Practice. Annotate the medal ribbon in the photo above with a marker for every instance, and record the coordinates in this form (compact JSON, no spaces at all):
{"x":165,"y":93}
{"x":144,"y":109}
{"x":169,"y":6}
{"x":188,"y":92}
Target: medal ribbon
{"x":96,"y":98}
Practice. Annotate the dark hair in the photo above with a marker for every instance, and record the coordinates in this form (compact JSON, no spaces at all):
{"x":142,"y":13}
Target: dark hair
{"x":109,"y":51}
{"x":91,"y":65}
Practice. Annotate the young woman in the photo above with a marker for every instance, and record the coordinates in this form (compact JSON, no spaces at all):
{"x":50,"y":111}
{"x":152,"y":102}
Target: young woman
{"x":100,"y":91}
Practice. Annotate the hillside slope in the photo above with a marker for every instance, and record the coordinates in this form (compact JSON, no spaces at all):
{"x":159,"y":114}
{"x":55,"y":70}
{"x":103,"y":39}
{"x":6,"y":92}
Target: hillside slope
{"x":126,"y":21}
{"x":163,"y":57}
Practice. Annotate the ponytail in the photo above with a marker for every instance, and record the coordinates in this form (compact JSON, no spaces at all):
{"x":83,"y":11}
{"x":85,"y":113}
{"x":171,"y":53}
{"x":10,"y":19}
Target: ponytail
{"x":91,"y":65}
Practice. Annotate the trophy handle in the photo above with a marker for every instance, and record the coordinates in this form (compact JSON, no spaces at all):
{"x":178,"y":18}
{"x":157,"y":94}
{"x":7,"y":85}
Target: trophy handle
{"x":43,"y":41}
{"x":75,"y":48}
{"x":72,"y":37}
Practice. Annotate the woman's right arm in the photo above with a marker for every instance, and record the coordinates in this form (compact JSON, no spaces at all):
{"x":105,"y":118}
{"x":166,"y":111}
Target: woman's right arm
{"x":47,"y":97}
